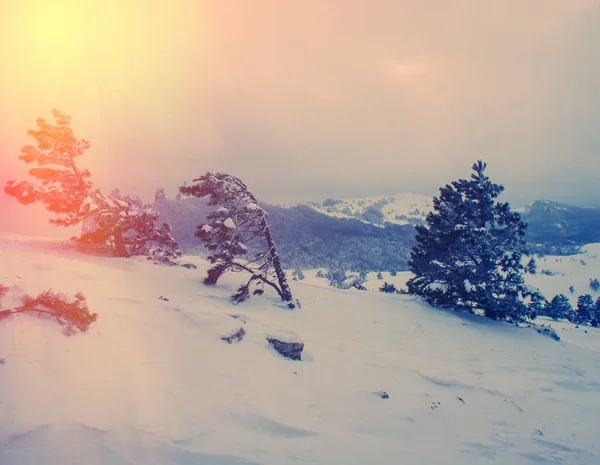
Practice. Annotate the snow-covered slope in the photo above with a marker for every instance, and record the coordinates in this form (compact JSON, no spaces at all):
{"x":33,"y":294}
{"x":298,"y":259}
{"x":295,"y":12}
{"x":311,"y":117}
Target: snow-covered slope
{"x":397,"y":209}
{"x":152,"y":383}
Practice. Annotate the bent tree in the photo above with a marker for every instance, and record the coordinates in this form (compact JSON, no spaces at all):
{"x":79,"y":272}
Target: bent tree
{"x":238,"y":235}
{"x":67,"y":191}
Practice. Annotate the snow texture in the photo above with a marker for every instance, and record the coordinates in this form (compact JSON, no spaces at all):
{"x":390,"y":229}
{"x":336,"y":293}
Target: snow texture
{"x":153,"y":383}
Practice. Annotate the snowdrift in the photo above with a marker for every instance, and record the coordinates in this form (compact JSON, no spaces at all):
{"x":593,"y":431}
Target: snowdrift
{"x":153,"y":383}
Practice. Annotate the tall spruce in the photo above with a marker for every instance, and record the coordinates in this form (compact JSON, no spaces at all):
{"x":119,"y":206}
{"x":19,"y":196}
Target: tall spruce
{"x":585,"y":310}
{"x":238,"y":235}
{"x":469,"y":254}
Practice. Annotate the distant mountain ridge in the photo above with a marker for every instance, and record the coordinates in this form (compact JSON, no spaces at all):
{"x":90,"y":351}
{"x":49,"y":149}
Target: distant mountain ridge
{"x":557,"y":228}
{"x":376,"y":233}
{"x":400,"y":209}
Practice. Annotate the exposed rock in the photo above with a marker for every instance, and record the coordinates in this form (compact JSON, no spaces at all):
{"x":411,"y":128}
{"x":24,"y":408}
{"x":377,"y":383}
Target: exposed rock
{"x":163,"y":298}
{"x":548,"y":331}
{"x":235,"y":337}
{"x":291,"y":350}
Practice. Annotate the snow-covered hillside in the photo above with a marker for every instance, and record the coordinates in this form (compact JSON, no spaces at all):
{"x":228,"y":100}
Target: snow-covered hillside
{"x":397,"y":209}
{"x":153,"y":383}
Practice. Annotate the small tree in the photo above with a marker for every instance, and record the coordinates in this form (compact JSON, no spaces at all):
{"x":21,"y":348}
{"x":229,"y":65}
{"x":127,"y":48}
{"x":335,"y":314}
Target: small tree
{"x":394,"y":273}
{"x":337,"y":278}
{"x":379,"y":275}
{"x":469,"y":255}
{"x":298,"y":275}
{"x":238,"y":235}
{"x":558,"y":308}
{"x":129,"y":226}
{"x":358,"y":281}
{"x":585,"y":310}
{"x":67,"y":191}
{"x":71,"y":312}
{"x":571,"y":289}
{"x":594,"y":284}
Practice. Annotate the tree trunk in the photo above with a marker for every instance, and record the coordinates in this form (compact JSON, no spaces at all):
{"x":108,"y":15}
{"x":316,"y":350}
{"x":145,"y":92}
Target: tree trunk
{"x":286,"y":293}
{"x":120,"y":244}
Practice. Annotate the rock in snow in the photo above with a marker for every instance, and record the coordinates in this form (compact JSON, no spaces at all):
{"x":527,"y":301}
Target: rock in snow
{"x":235,"y":337}
{"x":291,"y":350}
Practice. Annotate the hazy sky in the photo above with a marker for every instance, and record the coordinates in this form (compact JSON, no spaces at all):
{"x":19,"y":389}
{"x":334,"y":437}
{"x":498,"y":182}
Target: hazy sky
{"x":310,"y":99}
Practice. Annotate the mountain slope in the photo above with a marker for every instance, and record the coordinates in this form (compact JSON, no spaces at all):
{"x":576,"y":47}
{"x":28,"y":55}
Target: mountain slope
{"x":152,"y":383}
{"x":401,"y":209}
{"x":554,"y":227}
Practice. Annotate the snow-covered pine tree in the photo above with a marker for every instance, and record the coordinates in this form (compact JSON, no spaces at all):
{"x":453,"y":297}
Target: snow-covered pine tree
{"x":559,"y":307}
{"x":131,"y":227}
{"x":66,"y":190}
{"x":585,"y":310}
{"x":239,"y":236}
{"x":337,"y":277}
{"x":469,"y":253}
{"x":71,"y":312}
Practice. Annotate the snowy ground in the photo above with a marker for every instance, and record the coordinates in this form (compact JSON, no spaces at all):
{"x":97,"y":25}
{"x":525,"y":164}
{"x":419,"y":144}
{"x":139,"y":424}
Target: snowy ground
{"x":152,"y":383}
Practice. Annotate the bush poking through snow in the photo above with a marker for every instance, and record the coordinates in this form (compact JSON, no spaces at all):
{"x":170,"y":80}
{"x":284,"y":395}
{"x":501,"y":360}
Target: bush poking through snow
{"x":238,"y":237}
{"x":235,"y":337}
{"x":292,"y":350}
{"x":71,"y":312}
{"x":547,"y":330}
{"x":389,"y":288}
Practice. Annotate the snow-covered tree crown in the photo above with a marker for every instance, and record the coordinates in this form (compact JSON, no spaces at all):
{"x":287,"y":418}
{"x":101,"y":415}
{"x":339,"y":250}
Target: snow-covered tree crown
{"x":61,"y":186}
{"x":238,"y":235}
{"x":469,"y":254}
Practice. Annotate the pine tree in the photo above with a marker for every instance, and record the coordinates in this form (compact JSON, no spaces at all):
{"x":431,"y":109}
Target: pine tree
{"x":585,"y":310}
{"x":469,"y":253}
{"x":66,"y":190}
{"x":379,"y":275}
{"x":238,"y":236}
{"x":337,"y":277}
{"x":62,"y":186}
{"x":558,"y":308}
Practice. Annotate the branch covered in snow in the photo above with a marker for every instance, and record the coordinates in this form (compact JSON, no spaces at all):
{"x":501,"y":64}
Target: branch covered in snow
{"x":71,"y":312}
